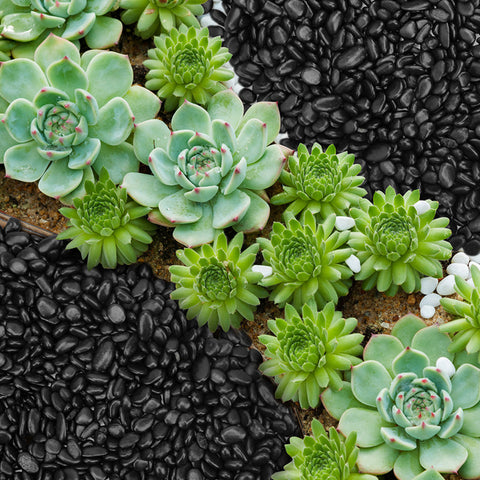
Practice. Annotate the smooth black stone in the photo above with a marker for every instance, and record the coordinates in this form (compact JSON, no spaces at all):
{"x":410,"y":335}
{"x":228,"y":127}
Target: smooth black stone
{"x":46,"y":307}
{"x":27,"y":463}
{"x":201,"y":369}
{"x":233,"y":434}
{"x":103,"y":356}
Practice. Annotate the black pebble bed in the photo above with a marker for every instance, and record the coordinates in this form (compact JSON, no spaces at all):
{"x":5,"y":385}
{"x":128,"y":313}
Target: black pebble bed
{"x":396,"y":82}
{"x":103,"y":378}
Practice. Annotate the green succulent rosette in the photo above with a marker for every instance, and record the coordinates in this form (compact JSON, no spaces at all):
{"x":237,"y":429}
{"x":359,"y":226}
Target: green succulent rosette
{"x":412,"y":411}
{"x":308,"y":261}
{"x":66,"y":117}
{"x":216,"y":284}
{"x":210,"y":172}
{"x":395,"y":244}
{"x":321,"y":182}
{"x":105,"y":226}
{"x":308,"y":353}
{"x":187,"y":65}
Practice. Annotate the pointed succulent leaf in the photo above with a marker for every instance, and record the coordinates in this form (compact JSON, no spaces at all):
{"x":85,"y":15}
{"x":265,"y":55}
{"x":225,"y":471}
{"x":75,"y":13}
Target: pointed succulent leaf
{"x":59,"y":180}
{"x":149,"y":135}
{"x":442,"y":455}
{"x":18,"y":119}
{"x":256,"y":217}
{"x":383,"y":349}
{"x":146,"y":189}
{"x":192,"y":117}
{"x":118,"y":160}
{"x":104,"y":33}
{"x":265,"y":172}
{"x":198,"y":233}
{"x":377,"y":460}
{"x":115,"y":122}
{"x":410,"y":360}
{"x":433,"y":343}
{"x":471,"y":468}
{"x":226,"y":106}
{"x":466,"y":386}
{"x":67,"y":76}
{"x":22,"y":162}
{"x":368,"y":379}
{"x":143,"y":103}
{"x":229,"y":209}
{"x":21,"y":78}
{"x":367,"y":423}
{"x":406,"y":328}
{"x":53,"y":49}
{"x":178,"y":209}
{"x":266,"y":112}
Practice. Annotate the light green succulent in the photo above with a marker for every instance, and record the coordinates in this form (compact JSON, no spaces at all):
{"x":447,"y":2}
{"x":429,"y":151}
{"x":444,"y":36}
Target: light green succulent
{"x":187,"y":65}
{"x":217,"y":284}
{"x":397,"y":245}
{"x":66,"y":117}
{"x":308,"y":261}
{"x":322,"y":182}
{"x":308,"y":353}
{"x":411,"y":409}
{"x":210,"y":172}
{"x":157,"y":16}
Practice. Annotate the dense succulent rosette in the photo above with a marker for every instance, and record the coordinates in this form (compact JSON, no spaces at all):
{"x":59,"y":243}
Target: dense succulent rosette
{"x":411,"y":410}
{"x":210,"y":171}
{"x":322,"y":182}
{"x":397,"y":245}
{"x":68,"y":116}
{"x":216,"y":283}
{"x":307,"y":354}
{"x":187,"y":65}
{"x":308,"y":261}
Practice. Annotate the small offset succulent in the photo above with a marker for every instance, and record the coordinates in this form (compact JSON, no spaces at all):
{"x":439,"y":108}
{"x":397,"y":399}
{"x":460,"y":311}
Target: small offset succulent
{"x":397,"y":245}
{"x":210,"y":172}
{"x":321,"y":182}
{"x":187,"y":65}
{"x":411,"y":409}
{"x":307,"y":354}
{"x":157,"y":16}
{"x":66,"y":117}
{"x":308,"y":261}
{"x":105,"y":226}
{"x":322,"y":457}
{"x":217,"y":284}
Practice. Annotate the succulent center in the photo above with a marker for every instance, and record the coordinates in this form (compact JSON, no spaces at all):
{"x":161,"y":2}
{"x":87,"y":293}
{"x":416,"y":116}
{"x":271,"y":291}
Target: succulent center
{"x":299,"y":347}
{"x":296,"y":253}
{"x":189,"y":62}
{"x":320,"y":173}
{"x":200,"y":161}
{"x":101,"y":212}
{"x":319,"y":464}
{"x":58,"y":8}
{"x":216,"y":282}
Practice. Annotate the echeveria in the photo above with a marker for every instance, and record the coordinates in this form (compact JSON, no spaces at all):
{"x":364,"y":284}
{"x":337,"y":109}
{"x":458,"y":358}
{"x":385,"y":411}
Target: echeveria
{"x":66,"y":117}
{"x":397,"y":244}
{"x":187,"y":65}
{"x":209,"y":172}
{"x":217,"y":284}
{"x":411,"y":409}
{"x":308,"y":353}
{"x":322,"y":182}
{"x":308,"y":261}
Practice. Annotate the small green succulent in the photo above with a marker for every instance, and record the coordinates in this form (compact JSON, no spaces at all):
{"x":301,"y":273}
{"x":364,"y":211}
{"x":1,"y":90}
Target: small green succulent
{"x":307,"y":354}
{"x":105,"y":226}
{"x":217,"y":284}
{"x":210,"y":172}
{"x":397,"y":245}
{"x":157,"y":16}
{"x":308,"y":261}
{"x":187,"y":65}
{"x":411,"y":409}
{"x":68,"y":116}
{"x":322,"y":182}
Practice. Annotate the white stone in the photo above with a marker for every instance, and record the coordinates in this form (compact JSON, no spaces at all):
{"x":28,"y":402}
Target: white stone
{"x":461,"y":257}
{"x":446,"y":286}
{"x":280,"y":137}
{"x":459,"y":269}
{"x":432,"y":299}
{"x":428,"y":285}
{"x":353,"y":263}
{"x":207,"y":21}
{"x":265,"y":270}
{"x":344,"y":223}
{"x":475,"y":258}
{"x":446,"y":366}
{"x":427,"y":311}
{"x":421,"y":206}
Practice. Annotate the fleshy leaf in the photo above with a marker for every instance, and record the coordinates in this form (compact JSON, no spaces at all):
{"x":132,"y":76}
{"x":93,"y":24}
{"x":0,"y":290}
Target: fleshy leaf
{"x":443,"y":455}
{"x":21,"y":78}
{"x":53,"y":49}
{"x":407,"y":465}
{"x":148,"y":136}
{"x":177,"y":209}
{"x":143,"y":103}
{"x":471,"y":467}
{"x":383,"y":349}
{"x":266,"y":112}
{"x":410,"y":361}
{"x":251,"y":142}
{"x":118,"y":160}
{"x":367,"y":423}
{"x":18,"y":118}
{"x":229,"y":209}
{"x":146,"y":189}
{"x":192,"y":117}
{"x":368,"y":379}
{"x":59,"y":180}
{"x":67,"y":76}
{"x":377,"y":460}
{"x":226,"y":106}
{"x":433,"y":343}
{"x":264,"y":173}
{"x":466,"y":386}
{"x":336,"y":402}
{"x":106,"y":32}
{"x":198,"y":233}
{"x":115,"y":122}
{"x":22,"y":162}
{"x":256,"y":217}
{"x":406,"y":328}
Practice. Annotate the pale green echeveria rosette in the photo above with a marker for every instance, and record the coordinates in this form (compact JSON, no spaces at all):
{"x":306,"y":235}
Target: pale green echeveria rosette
{"x":308,"y":261}
{"x":321,"y":182}
{"x":411,"y":410}
{"x":216,"y":284}
{"x":66,"y":117}
{"x":395,"y":244}
{"x":26,"y":23}
{"x":308,"y":353}
{"x":156,"y":16}
{"x":210,"y":172}
{"x":187,"y":65}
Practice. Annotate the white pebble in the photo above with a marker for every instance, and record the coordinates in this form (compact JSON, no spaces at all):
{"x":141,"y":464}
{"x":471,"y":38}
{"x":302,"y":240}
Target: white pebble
{"x":459,"y":269}
{"x":207,"y":21}
{"x":427,"y":311}
{"x":447,"y":367}
{"x":446,"y":286}
{"x":461,"y":257}
{"x":475,"y":258}
{"x":432,"y":299}
{"x":353,"y":263}
{"x":344,"y":223}
{"x":421,"y":206}
{"x":280,"y":137}
{"x":265,"y":270}
{"x":428,"y":285}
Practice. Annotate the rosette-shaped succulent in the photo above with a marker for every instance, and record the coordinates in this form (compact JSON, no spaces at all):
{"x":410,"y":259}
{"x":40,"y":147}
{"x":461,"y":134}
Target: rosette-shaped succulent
{"x":308,"y":261}
{"x":66,"y":117}
{"x":156,"y":16}
{"x":26,"y":23}
{"x":396,"y":243}
{"x":307,"y":354}
{"x":105,"y":226}
{"x":322,"y":457}
{"x":411,"y":409}
{"x":187,"y":65}
{"x":210,"y":171}
{"x":322,"y":182}
{"x":217,"y":284}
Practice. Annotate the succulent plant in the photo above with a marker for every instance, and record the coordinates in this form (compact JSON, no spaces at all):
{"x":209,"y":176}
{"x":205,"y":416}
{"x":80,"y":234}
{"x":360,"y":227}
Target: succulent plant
{"x":322,"y":182}
{"x":308,"y":261}
{"x":26,"y":23}
{"x":396,"y":244}
{"x":307,"y":354}
{"x":187,"y":65}
{"x":216,"y":283}
{"x":66,"y":117}
{"x":411,"y":409}
{"x":156,"y":16}
{"x":210,"y":171}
